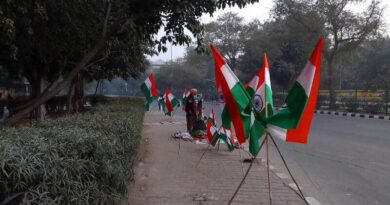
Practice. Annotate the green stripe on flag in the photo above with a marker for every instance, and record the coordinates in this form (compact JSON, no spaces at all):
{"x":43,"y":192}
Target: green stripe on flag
{"x":268,"y":99}
{"x":145,"y":90}
{"x":256,"y":132}
{"x":289,"y":117}
{"x":250,"y":91}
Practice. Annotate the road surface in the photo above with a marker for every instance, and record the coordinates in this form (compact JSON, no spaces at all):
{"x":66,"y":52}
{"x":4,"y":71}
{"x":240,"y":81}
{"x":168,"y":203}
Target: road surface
{"x":347,"y":159}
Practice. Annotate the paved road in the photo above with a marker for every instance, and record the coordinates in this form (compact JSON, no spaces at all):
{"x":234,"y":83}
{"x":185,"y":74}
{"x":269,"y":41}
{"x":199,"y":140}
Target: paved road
{"x":347,"y":160}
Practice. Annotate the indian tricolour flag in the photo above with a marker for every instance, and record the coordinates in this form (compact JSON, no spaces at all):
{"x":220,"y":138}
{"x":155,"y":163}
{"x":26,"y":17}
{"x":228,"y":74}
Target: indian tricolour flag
{"x":211,"y":118}
{"x":235,"y":97}
{"x":170,"y":101}
{"x":186,"y":93}
{"x":256,"y":132}
{"x":212,"y":133}
{"x":226,"y":136}
{"x":259,"y":88}
{"x":292,"y":123}
{"x":149,"y":89}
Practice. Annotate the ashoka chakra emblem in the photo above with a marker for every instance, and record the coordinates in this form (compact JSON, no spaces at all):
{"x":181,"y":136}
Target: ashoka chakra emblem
{"x":257,"y":102}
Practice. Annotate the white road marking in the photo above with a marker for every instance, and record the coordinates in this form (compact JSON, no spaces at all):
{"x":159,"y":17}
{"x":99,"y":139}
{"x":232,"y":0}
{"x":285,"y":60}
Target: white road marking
{"x":312,"y":201}
{"x":292,"y":185}
{"x":282,"y":175}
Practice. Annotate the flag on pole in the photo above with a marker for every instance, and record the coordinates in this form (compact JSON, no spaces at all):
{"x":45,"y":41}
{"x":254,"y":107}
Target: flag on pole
{"x":292,"y":123}
{"x":148,"y":87}
{"x":259,"y":88}
{"x":235,"y":97}
{"x":186,"y":93}
{"x":226,"y":136}
{"x":211,"y":118}
{"x":256,"y":132}
{"x":170,"y":101}
{"x":161,"y":104}
{"x":212,"y":133}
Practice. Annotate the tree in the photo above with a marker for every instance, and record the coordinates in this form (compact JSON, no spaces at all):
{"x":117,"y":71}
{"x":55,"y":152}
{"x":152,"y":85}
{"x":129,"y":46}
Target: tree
{"x":227,"y":33}
{"x":93,"y":24}
{"x":287,"y":44}
{"x":344,"y":30}
{"x":372,"y":66}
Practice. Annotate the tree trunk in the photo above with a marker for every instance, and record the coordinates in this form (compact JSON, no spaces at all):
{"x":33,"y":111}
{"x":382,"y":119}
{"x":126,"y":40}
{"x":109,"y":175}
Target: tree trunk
{"x":43,"y":98}
{"x":330,"y":84}
{"x":37,"y":85}
{"x":96,"y":88}
{"x":80,"y":92}
{"x":70,"y":96}
{"x":84,"y":61}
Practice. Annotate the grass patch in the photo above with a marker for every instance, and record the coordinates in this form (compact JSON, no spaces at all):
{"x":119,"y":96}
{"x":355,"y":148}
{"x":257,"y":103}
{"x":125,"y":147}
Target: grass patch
{"x":80,"y":159}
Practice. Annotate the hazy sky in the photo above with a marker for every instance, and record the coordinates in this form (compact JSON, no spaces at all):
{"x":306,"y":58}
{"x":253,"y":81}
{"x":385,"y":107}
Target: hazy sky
{"x":260,"y":11}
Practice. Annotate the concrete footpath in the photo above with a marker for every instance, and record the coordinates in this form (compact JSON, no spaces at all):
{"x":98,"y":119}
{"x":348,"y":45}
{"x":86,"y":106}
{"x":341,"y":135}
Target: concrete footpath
{"x":165,"y":174}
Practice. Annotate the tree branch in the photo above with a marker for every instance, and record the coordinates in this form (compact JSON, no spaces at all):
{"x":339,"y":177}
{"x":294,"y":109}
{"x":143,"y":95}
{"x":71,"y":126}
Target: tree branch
{"x":87,"y":57}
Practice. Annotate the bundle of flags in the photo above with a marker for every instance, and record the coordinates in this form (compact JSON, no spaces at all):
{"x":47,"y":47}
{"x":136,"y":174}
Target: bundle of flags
{"x":170,"y":101}
{"x":250,"y":109}
{"x":214,"y":134}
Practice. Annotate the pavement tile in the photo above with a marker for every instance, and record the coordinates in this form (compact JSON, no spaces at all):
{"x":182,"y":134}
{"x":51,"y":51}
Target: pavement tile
{"x":166,"y":174}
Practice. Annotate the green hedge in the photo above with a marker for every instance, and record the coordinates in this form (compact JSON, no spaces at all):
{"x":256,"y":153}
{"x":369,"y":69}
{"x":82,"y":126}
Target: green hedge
{"x":81,"y":159}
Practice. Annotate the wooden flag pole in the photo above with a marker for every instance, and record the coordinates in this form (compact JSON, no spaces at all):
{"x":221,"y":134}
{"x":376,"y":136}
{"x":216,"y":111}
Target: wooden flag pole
{"x":242,"y":162}
{"x":246,"y":175}
{"x":207,"y":149}
{"x":267,"y":151}
{"x":288,"y":170}
{"x":178,"y":149}
{"x":268,"y":175}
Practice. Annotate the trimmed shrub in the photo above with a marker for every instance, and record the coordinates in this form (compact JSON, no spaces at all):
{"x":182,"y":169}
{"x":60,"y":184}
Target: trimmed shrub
{"x":80,"y":159}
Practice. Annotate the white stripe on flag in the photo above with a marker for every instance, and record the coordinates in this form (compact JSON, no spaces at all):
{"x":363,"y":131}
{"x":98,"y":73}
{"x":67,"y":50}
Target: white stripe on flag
{"x":148,"y":83}
{"x":267,"y":77}
{"x":170,"y":97}
{"x":261,"y":93}
{"x":277,"y":132}
{"x":229,"y":76}
{"x":213,"y":130}
{"x":254,"y":82}
{"x":306,"y":77}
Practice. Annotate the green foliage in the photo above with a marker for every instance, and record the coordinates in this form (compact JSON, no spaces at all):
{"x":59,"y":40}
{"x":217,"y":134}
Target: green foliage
{"x":81,"y":159}
{"x":372,"y":65}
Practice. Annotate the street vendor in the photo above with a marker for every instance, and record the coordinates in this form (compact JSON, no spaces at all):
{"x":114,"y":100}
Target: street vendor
{"x":190,"y":108}
{"x":194,"y":113}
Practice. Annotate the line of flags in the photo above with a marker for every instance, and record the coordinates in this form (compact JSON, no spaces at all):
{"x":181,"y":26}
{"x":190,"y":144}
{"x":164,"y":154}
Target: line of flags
{"x":249,"y":109}
{"x":166,"y":103}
